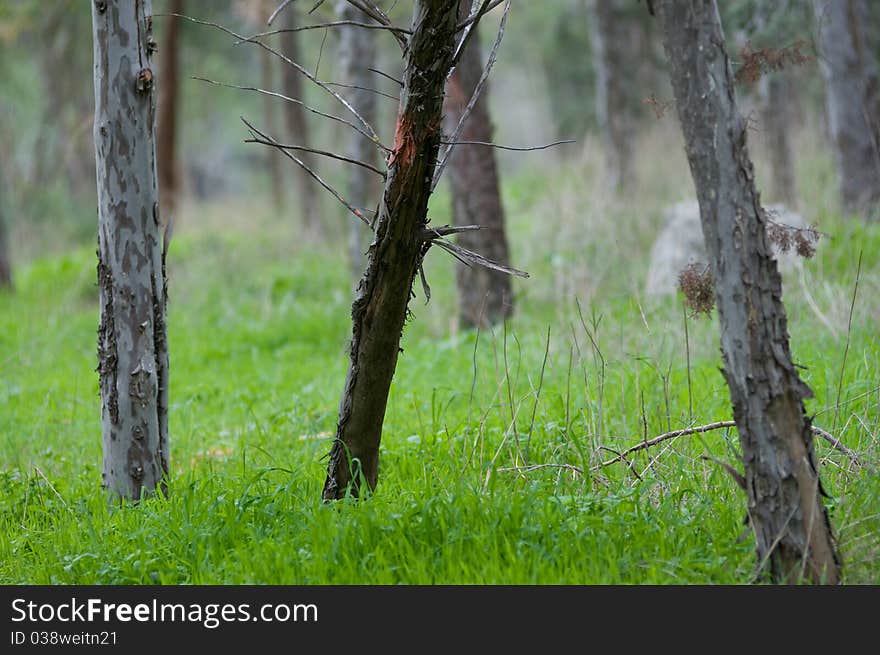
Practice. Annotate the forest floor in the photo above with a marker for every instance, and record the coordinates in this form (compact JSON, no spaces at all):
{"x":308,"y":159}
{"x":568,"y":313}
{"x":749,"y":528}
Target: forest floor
{"x":492,"y":451}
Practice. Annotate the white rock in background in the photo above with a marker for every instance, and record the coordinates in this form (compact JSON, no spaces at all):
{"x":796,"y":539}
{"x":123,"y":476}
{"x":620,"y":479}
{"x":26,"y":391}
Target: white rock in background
{"x":680,"y":243}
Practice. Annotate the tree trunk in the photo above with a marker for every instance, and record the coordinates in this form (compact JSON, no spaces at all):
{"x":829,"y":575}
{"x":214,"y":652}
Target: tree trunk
{"x":485,"y":296}
{"x":273,"y":161}
{"x":381,"y":300}
{"x":169,"y":97}
{"x":357,"y":54}
{"x":777,"y":118}
{"x":790,"y":523}
{"x":132,"y":340}
{"x":5,"y":263}
{"x":609,"y":41}
{"x":298,"y":129}
{"x":852,"y":96}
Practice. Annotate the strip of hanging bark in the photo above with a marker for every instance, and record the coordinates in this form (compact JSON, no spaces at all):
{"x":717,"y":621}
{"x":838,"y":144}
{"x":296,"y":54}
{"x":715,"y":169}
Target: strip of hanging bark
{"x":381,"y":301}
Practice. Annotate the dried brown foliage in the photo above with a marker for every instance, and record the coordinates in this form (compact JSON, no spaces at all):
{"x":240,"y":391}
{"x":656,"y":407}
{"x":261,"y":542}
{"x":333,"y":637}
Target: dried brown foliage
{"x":698,"y":286}
{"x":786,"y":238}
{"x":660,"y":107}
{"x":756,"y":63}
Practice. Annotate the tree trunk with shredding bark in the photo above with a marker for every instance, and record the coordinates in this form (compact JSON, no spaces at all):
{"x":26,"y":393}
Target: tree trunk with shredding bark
{"x":380,"y":306}
{"x":132,"y":343}
{"x":297,"y":128}
{"x":357,"y":54}
{"x":485,"y":296}
{"x":789,"y":520}
{"x":852,"y":94}
{"x":169,"y":97}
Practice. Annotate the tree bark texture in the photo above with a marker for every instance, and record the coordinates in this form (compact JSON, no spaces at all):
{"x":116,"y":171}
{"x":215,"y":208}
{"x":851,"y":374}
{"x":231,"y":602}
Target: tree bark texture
{"x":168,"y":107}
{"x":785,"y":508}
{"x":357,"y":54}
{"x":382,"y":296}
{"x":852,"y":93}
{"x":609,"y":40}
{"x":297,"y":127}
{"x":132,"y":341}
{"x":485,"y":296}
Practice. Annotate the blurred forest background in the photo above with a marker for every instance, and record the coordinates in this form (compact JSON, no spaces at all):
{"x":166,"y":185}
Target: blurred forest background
{"x":593,"y":360}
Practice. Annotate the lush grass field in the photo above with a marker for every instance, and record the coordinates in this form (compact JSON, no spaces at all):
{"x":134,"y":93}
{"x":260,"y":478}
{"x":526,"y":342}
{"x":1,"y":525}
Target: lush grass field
{"x":258,"y":329}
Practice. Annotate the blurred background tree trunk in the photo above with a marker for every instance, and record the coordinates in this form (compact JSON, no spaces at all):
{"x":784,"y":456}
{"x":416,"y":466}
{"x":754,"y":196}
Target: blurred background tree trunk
{"x":5,"y":262}
{"x":357,"y":54}
{"x":485,"y":296}
{"x":610,"y":38}
{"x":849,"y":66}
{"x":169,"y":106}
{"x":297,"y":126}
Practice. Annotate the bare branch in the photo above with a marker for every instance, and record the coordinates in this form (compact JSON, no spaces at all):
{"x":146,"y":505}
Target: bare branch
{"x":323,"y":153}
{"x":280,"y":8}
{"x":364,"y":88}
{"x":493,"y":55}
{"x":500,"y":147}
{"x":463,"y":24}
{"x":386,"y":75}
{"x":370,"y":8}
{"x":473,"y":19}
{"x":298,"y":102}
{"x":320,"y":26}
{"x":270,"y":141}
{"x":430,"y":233}
{"x":835,"y":443}
{"x":470,"y":258}
{"x":290,"y":62}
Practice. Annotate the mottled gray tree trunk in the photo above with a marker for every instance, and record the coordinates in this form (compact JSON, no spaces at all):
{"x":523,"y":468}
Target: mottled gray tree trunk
{"x":357,"y":54}
{"x":132,"y":342}
{"x":849,"y":67}
{"x":609,"y":40}
{"x":383,"y":294}
{"x":297,"y":128}
{"x":485,"y":296}
{"x":785,"y":508}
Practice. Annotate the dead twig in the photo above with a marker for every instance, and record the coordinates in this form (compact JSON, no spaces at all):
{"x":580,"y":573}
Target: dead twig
{"x":500,"y":147}
{"x":323,"y":153}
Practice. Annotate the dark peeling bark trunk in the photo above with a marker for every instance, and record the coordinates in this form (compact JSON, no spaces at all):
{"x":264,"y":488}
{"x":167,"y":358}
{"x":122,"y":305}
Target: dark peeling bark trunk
{"x":485,"y":296}
{"x":132,"y":345}
{"x":609,"y":40}
{"x":357,"y":54}
{"x":849,"y":66}
{"x":169,"y":97}
{"x":297,"y":128}
{"x":786,"y":513}
{"x":777,"y":119}
{"x":381,"y":300}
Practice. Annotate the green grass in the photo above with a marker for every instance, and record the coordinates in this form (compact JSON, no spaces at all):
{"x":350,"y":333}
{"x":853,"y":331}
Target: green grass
{"x":258,"y":328}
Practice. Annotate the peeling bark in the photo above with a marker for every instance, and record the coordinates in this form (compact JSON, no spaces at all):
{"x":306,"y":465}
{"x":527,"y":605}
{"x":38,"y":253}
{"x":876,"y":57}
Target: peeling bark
{"x":132,"y":342}
{"x":485,"y":296}
{"x":297,"y":128}
{"x":849,"y":66}
{"x":357,"y":54}
{"x":786,"y":513}
{"x":380,"y":306}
